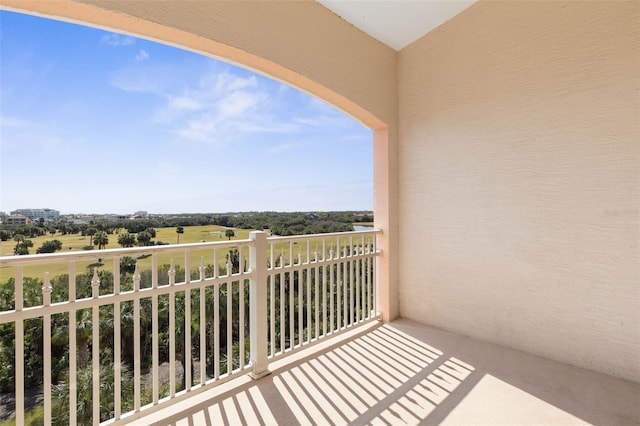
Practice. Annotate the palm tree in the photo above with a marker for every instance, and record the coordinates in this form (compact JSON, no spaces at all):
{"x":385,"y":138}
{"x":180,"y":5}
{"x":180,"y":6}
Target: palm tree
{"x":179,"y":230}
{"x":100,"y":239}
{"x":91,"y":231}
{"x":143,"y":238}
{"x":84,"y":383}
{"x":127,"y":240}
{"x":229,"y":233}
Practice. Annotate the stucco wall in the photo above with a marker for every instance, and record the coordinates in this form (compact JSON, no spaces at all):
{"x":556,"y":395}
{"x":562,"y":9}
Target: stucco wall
{"x":519,"y":181}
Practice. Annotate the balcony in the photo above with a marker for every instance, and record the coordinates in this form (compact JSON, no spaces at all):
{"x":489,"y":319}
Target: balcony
{"x":215,"y":310}
{"x":506,"y":187}
{"x":289,"y":331}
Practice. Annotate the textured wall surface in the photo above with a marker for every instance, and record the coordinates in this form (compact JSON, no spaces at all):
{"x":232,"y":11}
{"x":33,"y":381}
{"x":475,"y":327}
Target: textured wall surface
{"x":519,"y":128}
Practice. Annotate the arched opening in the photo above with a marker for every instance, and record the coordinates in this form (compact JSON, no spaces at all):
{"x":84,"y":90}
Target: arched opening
{"x":273,"y":38}
{"x":348,"y":106}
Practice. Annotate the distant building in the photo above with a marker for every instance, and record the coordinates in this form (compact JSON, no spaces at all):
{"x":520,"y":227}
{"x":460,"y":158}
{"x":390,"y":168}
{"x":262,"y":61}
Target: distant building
{"x":37,"y":214}
{"x":140,"y":214}
{"x":16,"y":219}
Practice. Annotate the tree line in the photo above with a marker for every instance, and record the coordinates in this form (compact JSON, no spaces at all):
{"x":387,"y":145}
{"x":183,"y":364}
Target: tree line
{"x":280,"y":223}
{"x":141,"y":232}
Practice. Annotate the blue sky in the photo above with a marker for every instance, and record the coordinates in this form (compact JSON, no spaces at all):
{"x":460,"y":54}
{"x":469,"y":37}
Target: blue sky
{"x":97,"y":122}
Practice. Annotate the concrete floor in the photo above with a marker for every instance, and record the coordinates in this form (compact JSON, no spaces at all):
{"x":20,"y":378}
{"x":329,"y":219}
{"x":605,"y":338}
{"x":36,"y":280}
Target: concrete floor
{"x":408,"y":373}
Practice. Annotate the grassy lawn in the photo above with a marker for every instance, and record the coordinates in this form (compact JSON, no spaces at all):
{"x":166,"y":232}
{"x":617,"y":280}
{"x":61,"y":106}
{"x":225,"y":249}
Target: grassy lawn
{"x":75,"y":242}
{"x":192,"y":234}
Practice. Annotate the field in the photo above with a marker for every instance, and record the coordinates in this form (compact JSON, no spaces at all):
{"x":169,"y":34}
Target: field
{"x":192,"y":234}
{"x":75,"y":242}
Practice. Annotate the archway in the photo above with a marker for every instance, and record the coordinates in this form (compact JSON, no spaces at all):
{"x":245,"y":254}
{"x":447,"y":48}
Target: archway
{"x":348,"y":69}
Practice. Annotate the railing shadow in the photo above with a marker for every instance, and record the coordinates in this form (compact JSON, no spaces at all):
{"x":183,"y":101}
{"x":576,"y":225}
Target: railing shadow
{"x":374,"y":376}
{"x":406,"y":373}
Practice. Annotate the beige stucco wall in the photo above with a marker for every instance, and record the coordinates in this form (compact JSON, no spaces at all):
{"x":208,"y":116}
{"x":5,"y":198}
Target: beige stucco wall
{"x":298,"y":42}
{"x":520,"y":179}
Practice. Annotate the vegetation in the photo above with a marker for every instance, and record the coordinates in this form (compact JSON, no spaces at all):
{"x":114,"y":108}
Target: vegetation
{"x":50,"y":247}
{"x":279,"y":223}
{"x":100,"y":239}
{"x":185,"y":228}
{"x":236,"y":293}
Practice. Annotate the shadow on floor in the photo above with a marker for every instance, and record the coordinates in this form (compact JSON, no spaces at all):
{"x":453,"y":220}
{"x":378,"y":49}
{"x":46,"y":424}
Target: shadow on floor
{"x":408,"y":373}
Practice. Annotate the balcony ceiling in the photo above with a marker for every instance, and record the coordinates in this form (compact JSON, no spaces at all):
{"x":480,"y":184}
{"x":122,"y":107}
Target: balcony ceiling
{"x":396,"y":23}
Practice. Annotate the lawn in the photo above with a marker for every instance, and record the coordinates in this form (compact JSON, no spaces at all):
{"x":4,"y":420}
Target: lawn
{"x":75,"y":242}
{"x":192,"y":234}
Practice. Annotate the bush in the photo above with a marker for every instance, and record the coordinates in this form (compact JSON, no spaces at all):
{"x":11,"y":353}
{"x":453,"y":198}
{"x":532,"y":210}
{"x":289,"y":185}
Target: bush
{"x":50,"y":247}
{"x":87,"y":248}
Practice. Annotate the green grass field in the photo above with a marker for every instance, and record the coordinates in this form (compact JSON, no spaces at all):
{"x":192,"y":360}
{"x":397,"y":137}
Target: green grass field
{"x":192,"y":234}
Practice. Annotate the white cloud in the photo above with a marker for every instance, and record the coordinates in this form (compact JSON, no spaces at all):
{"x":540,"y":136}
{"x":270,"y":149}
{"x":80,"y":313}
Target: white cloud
{"x":200,"y":129}
{"x":226,"y":82}
{"x":142,"y":55}
{"x":145,"y":77}
{"x":117,"y":40}
{"x":222,"y":105}
{"x":240,"y":103}
{"x":258,"y":125}
{"x":184,"y":103}
{"x":283,"y":147}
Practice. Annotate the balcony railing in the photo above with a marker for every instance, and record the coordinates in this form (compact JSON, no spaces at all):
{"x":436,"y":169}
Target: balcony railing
{"x":183,"y":319}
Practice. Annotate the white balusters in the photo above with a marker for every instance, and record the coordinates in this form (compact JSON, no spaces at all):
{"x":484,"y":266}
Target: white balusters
{"x":136,"y":341}
{"x":345,"y":287}
{"x":216,"y":319}
{"x":203,"y":325}
{"x":117,"y":356}
{"x":155,"y":351}
{"x":241,"y":308}
{"x":307,"y":276}
{"x":332,"y":288}
{"x":95,"y":347}
{"x":317,"y":295}
{"x":19,"y":354}
{"x":351,"y":282}
{"x":323,"y":277}
{"x":357,"y":279}
{"x":187,"y":325}
{"x":272,"y":304}
{"x":300,"y":305}
{"x":229,"y":288}
{"x":73,"y":348}
{"x":338,"y":287}
{"x":282,"y":304}
{"x":292,"y":337}
{"x":172,"y":333}
{"x":46,"y":343}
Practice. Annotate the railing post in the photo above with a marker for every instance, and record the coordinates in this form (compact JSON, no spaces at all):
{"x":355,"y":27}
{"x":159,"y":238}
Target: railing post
{"x":258,"y":304}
